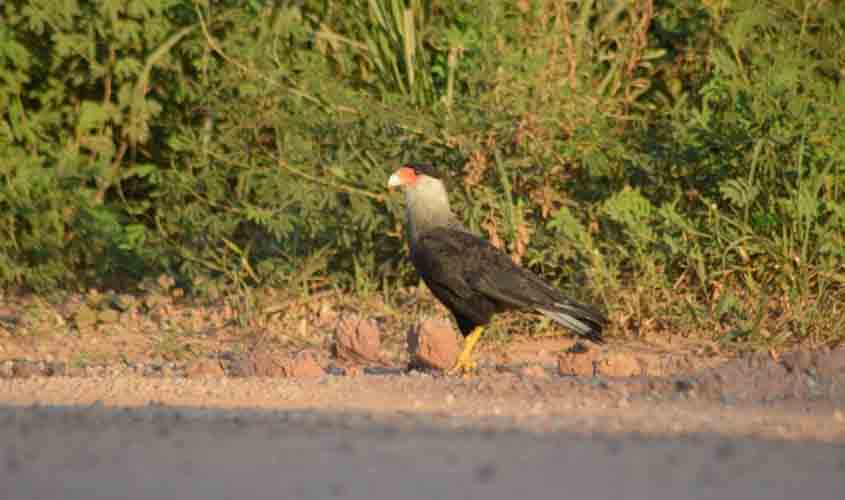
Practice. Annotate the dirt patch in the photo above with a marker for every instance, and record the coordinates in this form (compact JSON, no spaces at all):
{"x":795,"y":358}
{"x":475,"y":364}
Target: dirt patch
{"x":632,"y":359}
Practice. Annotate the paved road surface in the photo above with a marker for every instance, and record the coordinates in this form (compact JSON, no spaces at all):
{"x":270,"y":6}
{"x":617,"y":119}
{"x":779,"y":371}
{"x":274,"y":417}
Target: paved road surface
{"x":161,"y":452}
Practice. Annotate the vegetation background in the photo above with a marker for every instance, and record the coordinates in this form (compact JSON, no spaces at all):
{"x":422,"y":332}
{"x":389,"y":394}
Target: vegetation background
{"x":681,"y":163}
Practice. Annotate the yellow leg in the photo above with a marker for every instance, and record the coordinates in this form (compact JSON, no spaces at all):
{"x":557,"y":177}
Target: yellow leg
{"x":465,"y":364}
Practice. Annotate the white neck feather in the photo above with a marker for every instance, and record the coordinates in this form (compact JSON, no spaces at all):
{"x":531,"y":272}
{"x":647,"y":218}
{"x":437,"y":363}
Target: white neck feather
{"x":428,"y":207}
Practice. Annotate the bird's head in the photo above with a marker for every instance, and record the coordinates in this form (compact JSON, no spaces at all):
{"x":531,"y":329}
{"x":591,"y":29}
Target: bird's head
{"x":427,"y":203}
{"x":413,"y":175}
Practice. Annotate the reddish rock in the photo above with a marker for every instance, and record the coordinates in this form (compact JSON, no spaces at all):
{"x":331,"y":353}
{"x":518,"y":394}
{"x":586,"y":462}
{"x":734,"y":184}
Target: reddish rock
{"x":240,"y":366}
{"x":56,"y":369}
{"x":76,"y":370}
{"x":581,"y":364}
{"x":533,"y":371}
{"x":7,"y":369}
{"x":831,"y":364}
{"x":798,"y":361}
{"x":357,"y":341}
{"x":203,"y":368}
{"x":620,"y":364}
{"x":304,"y":364}
{"x":26,"y":369}
{"x":265,"y":365}
{"x":433,"y":344}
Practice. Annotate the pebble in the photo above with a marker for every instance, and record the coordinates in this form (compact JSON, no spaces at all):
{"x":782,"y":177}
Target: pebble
{"x":7,"y":369}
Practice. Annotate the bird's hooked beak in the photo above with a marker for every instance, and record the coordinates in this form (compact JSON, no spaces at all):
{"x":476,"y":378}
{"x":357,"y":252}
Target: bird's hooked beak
{"x":394,"y":181}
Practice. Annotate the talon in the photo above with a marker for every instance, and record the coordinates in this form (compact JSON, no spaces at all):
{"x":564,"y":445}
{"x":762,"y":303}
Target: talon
{"x":465,"y":365}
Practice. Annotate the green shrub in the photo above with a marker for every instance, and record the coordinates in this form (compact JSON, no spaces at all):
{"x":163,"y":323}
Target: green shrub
{"x":683,"y":158}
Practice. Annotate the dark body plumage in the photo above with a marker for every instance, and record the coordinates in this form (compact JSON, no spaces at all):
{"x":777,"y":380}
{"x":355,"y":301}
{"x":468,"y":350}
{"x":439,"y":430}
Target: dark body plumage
{"x":476,"y":280}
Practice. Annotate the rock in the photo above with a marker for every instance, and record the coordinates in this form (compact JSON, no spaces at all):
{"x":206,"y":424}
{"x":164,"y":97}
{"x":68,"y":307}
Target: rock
{"x":152,"y":370}
{"x":831,"y":364}
{"x":303,"y":364}
{"x":56,"y":369}
{"x":357,"y":341}
{"x":75,"y":370}
{"x":203,"y":368}
{"x":592,"y":361}
{"x":433,"y":344}
{"x":799,"y":360}
{"x":241,"y":366}
{"x":578,"y":362}
{"x":265,"y":365}
{"x":26,"y":369}
{"x":7,"y":369}
{"x":533,"y":371}
{"x":97,"y":371}
{"x":621,"y":364}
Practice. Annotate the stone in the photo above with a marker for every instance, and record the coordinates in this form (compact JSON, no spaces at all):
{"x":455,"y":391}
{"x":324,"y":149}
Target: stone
{"x":265,"y":365}
{"x":433,"y":344}
{"x":26,"y":369}
{"x":580,"y":363}
{"x":620,"y":364}
{"x":533,"y":371}
{"x":7,"y":369}
{"x":203,"y":368}
{"x":357,"y":341}
{"x":831,"y":364}
{"x":798,"y":361}
{"x":56,"y":369}
{"x":241,"y":366}
{"x":303,"y":364}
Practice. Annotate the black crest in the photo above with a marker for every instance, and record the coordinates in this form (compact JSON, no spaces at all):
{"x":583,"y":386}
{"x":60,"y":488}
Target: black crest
{"x":425,"y":169}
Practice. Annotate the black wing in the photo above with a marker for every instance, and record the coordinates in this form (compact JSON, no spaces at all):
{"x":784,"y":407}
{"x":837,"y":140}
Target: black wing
{"x":445,"y":263}
{"x":467,"y":269}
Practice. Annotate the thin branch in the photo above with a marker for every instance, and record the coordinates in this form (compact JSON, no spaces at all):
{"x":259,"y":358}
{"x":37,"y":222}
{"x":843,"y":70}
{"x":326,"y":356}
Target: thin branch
{"x":212,"y":42}
{"x":288,"y":168}
{"x":339,"y":187}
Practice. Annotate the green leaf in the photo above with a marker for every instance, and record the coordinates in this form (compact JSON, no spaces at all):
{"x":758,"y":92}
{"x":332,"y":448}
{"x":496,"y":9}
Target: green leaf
{"x":92,"y":115}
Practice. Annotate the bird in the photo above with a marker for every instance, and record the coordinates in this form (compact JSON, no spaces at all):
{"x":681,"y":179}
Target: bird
{"x":471,"y":277}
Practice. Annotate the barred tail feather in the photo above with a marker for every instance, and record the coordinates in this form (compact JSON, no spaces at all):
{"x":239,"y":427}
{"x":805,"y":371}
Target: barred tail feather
{"x":580,"y":319}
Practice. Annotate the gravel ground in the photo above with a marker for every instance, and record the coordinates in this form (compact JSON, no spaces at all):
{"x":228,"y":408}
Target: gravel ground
{"x":755,"y":426}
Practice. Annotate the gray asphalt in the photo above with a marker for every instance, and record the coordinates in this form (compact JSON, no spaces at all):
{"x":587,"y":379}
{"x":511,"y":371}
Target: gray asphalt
{"x":160,"y":452}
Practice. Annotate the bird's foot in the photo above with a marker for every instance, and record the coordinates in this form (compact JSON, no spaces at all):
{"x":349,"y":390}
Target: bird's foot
{"x":463,"y":366}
